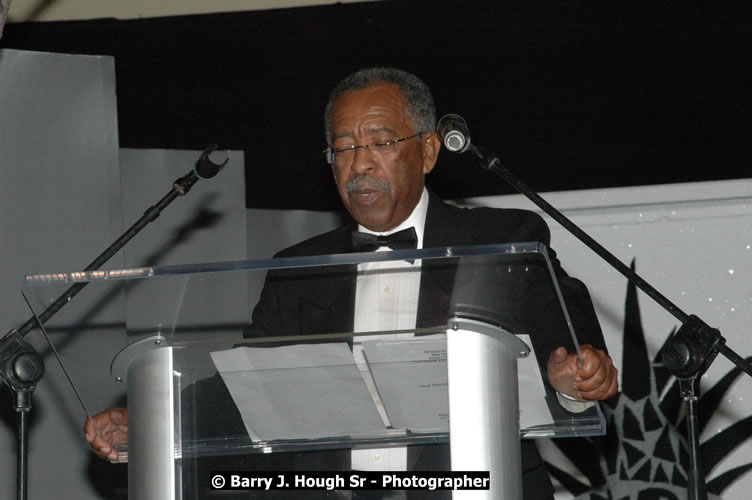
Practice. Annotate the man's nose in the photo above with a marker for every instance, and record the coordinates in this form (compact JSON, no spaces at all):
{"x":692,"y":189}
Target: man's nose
{"x":363,"y":160}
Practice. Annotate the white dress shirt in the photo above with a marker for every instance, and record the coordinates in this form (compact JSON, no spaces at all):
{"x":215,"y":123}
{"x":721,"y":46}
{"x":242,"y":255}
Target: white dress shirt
{"x":386,"y":298}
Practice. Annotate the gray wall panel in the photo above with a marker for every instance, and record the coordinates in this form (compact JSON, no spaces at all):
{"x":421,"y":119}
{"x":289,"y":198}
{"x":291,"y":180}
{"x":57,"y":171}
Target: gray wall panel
{"x":60,"y":206}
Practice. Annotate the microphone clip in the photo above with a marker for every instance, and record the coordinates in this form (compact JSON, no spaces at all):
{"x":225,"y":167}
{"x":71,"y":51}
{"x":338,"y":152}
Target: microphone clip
{"x":205,"y":168}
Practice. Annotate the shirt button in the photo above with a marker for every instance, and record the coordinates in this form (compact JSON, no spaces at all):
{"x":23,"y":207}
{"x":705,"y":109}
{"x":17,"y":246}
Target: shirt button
{"x":388,"y":289}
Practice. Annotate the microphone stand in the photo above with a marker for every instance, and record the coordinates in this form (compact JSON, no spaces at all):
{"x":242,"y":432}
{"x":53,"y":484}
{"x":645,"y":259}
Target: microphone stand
{"x":688,"y":353}
{"x":21,"y":366}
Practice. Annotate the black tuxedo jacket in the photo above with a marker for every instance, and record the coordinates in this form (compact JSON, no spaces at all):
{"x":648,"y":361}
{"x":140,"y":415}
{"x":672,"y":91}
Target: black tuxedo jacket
{"x":324,"y":303}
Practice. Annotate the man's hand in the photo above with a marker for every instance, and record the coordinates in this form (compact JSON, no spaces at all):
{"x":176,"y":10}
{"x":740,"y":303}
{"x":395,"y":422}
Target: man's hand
{"x":594,"y":379}
{"x":112,"y":425}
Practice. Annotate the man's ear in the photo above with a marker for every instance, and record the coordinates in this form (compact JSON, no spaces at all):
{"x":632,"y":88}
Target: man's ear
{"x":431,"y":147}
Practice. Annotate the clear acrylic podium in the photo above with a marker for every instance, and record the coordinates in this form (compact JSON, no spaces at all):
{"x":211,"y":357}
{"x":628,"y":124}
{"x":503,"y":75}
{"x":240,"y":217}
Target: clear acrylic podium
{"x":299,"y":385}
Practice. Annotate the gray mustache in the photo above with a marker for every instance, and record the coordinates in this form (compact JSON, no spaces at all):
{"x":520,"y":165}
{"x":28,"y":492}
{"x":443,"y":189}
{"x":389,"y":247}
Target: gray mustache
{"x":364,"y":182}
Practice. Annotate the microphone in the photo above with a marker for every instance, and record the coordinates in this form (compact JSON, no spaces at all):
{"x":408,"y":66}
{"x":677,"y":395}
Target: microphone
{"x":454,"y":133}
{"x":205,"y":168}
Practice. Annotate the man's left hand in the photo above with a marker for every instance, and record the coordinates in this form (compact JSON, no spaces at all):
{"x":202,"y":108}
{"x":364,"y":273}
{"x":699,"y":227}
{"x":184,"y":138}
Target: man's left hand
{"x":596,"y":378}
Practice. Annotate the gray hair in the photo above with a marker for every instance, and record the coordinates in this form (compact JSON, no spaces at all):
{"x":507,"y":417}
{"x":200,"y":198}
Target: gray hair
{"x":420,"y":110}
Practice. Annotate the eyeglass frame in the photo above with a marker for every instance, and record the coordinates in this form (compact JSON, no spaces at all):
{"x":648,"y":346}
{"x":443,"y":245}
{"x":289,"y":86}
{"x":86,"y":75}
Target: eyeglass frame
{"x":330,"y":151}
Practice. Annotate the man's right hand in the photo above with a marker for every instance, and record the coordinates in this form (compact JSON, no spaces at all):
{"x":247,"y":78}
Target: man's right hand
{"x":107,"y":430}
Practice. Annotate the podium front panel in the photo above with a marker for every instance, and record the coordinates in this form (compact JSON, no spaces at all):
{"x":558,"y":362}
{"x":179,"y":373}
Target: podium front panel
{"x":296,"y":384}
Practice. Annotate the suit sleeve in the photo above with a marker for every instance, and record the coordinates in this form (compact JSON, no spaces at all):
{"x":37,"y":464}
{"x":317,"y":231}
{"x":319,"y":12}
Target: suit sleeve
{"x":544,"y":310}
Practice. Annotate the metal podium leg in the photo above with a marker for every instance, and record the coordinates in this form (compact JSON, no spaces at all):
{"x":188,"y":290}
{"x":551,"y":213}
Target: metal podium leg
{"x":484,"y":415}
{"x":151,"y":432}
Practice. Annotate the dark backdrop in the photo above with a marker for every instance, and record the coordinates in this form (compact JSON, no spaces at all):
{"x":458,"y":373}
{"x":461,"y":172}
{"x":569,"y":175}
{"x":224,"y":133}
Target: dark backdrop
{"x":572,"y":95}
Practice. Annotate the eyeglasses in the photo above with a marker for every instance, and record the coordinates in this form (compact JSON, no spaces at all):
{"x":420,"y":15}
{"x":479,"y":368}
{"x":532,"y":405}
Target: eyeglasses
{"x":345,"y":155}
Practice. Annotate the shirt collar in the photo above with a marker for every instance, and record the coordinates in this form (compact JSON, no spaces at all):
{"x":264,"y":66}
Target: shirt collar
{"x":417,"y":219}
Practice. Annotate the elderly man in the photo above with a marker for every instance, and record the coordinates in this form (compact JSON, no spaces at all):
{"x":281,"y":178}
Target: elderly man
{"x":380,"y":127}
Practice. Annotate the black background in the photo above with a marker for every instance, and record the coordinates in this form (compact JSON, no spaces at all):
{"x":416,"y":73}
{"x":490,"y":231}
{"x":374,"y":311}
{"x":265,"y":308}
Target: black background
{"x":571,"y":95}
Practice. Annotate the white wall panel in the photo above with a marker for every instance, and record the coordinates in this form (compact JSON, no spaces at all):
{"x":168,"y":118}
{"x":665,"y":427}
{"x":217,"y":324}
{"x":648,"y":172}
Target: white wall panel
{"x":692,"y":242}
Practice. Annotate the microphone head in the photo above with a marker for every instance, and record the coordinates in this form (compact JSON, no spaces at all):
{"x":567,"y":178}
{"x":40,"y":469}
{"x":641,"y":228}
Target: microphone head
{"x":454,"y":141}
{"x":454,"y":133}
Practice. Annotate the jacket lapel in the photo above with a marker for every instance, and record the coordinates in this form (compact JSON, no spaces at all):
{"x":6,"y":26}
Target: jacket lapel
{"x":327,"y":301}
{"x":437,"y":275}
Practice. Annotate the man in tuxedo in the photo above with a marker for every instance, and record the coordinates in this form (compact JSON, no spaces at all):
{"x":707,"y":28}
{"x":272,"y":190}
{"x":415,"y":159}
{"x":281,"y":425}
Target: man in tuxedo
{"x":380,"y":128}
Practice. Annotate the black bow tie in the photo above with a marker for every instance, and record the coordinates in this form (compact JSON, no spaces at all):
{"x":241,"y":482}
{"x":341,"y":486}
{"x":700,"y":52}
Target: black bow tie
{"x":401,"y":240}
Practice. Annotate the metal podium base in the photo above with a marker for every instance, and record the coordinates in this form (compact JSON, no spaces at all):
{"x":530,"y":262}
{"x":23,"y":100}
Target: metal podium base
{"x":484,"y":412}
